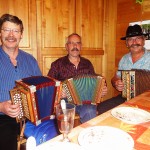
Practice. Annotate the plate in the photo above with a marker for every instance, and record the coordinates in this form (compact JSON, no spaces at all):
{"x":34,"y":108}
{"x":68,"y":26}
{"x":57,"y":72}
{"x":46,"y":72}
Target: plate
{"x":105,"y":138}
{"x":59,"y":146}
{"x":131,"y":115}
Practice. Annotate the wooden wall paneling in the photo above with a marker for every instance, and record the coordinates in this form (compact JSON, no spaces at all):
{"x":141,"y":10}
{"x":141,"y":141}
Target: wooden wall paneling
{"x":93,"y":59}
{"x":25,"y":10}
{"x":32,"y":24}
{"x":128,"y":10}
{"x":56,"y":21}
{"x":89,"y":24}
{"x":123,"y":18}
{"x":109,"y":43}
{"x":120,"y":44}
{"x":39,"y":9}
{"x":47,"y":60}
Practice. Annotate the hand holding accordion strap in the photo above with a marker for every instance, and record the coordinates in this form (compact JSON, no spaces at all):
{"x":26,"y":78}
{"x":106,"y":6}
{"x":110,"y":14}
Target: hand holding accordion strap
{"x":84,"y":89}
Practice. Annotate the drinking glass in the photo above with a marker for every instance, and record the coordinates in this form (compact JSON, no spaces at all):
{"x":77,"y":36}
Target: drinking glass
{"x":65,"y":119}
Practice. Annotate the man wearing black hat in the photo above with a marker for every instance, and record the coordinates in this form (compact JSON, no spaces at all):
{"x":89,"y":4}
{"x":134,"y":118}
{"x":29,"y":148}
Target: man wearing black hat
{"x":137,"y":58}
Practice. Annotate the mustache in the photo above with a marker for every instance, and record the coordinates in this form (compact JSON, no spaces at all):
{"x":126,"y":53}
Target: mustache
{"x":11,"y":38}
{"x":74,"y":49}
{"x":133,"y":45}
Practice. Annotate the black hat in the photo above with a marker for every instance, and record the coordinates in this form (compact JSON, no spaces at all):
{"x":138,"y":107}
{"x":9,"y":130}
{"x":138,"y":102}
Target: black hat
{"x":132,"y":31}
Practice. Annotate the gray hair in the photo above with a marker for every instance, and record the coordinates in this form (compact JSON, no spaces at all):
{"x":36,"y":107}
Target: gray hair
{"x":72,"y":35}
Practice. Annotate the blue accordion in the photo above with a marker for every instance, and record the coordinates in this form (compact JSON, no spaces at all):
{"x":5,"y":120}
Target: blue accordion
{"x":36,"y":96}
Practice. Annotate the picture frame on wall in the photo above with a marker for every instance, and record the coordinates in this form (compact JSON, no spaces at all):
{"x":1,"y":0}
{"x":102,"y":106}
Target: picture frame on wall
{"x":145,"y":25}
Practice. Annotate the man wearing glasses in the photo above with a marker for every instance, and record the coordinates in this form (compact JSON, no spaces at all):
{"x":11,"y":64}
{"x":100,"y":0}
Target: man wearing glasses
{"x":15,"y":64}
{"x":137,"y":58}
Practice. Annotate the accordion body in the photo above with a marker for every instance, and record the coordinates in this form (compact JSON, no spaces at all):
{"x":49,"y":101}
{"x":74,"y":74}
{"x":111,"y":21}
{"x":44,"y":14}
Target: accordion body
{"x":84,"y":89}
{"x":36,"y":96}
{"x":135,"y":82}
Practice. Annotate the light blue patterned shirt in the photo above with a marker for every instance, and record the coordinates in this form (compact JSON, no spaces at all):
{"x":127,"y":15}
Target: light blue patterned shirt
{"x":127,"y":64}
{"x":26,"y":66}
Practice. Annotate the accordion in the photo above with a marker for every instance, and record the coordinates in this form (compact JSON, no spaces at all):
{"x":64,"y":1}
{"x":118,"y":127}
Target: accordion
{"x":36,"y":96}
{"x":84,"y":89}
{"x":135,"y":82}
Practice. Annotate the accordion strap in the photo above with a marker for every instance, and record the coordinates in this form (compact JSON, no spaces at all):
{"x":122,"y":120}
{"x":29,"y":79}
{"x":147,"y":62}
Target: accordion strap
{"x":22,"y":128}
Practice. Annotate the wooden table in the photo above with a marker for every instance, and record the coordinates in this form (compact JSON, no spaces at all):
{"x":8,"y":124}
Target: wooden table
{"x":140,"y":132}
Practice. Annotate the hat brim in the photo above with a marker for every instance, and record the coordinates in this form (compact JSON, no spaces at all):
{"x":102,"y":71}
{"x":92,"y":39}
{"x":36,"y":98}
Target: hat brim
{"x":124,"y":38}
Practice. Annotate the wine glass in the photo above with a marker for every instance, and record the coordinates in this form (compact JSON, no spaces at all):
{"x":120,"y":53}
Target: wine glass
{"x":65,"y":119}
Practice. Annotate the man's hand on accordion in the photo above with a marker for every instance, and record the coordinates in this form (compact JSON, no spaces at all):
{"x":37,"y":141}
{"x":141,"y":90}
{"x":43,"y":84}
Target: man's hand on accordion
{"x":118,"y":84}
{"x":10,"y":109}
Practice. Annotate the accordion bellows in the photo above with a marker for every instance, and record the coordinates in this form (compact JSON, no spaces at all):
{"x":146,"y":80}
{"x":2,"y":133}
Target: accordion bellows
{"x":84,"y":89}
{"x":135,"y":82}
{"x":36,"y":96}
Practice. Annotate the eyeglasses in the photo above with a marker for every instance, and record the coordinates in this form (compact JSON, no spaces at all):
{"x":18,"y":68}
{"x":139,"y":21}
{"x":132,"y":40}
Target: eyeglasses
{"x":74,"y":43}
{"x":132,"y":39}
{"x":8,"y":30}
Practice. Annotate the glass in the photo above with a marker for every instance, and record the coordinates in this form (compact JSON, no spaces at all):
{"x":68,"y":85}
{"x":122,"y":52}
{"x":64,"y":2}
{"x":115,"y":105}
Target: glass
{"x":65,"y":120}
{"x":132,"y":39}
{"x":8,"y":30}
